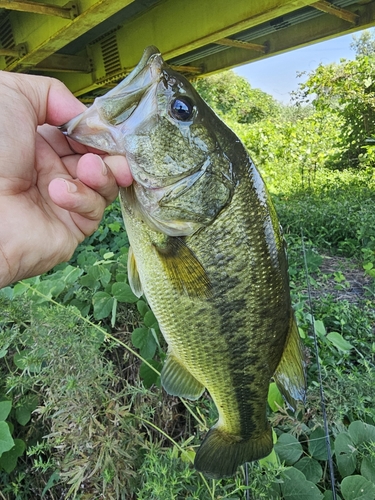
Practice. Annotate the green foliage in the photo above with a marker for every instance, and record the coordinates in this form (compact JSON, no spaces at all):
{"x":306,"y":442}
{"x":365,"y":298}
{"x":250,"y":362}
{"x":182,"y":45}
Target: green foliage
{"x":364,"y":44}
{"x":14,"y":415}
{"x":296,"y":486}
{"x":233,"y":98}
{"x":345,"y":92}
{"x":85,"y":426}
{"x":167,"y":474}
{"x":336,"y":214}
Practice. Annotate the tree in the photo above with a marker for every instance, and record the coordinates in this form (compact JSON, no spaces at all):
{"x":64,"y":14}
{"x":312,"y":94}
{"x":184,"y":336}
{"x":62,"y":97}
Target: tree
{"x":347,"y":92}
{"x":232,"y":96}
{"x":364,"y":44}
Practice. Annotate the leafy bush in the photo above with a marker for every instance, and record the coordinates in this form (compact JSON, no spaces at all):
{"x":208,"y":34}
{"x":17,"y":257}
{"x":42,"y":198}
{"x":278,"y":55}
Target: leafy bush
{"x":345,"y":92}
{"x":82,"y":427}
{"x":233,"y":98}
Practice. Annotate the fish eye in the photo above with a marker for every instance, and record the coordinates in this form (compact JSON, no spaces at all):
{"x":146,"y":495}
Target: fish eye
{"x":182,"y":109}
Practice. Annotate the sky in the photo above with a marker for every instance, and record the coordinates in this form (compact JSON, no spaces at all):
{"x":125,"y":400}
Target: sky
{"x":277,"y":75}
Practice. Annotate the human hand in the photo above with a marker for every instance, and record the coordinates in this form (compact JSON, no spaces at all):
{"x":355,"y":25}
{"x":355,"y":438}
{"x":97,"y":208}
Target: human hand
{"x":53,"y":191}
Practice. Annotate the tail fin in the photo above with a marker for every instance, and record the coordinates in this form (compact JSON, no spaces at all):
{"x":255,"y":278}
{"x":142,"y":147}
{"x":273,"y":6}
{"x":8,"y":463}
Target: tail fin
{"x":220,"y":453}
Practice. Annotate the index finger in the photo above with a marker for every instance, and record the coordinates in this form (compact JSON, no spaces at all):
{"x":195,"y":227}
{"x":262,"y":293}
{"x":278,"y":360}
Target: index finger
{"x":51,"y":100}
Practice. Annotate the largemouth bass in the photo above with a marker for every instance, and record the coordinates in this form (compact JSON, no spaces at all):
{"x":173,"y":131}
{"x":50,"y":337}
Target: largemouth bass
{"x":207,"y":253}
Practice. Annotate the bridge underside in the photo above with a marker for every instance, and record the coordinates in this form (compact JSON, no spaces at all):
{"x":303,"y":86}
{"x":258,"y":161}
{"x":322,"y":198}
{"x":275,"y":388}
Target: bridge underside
{"x":92,"y":44}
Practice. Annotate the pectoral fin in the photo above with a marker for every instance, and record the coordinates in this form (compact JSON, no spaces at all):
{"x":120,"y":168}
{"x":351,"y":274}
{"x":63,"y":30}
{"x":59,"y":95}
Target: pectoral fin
{"x":178,"y":381}
{"x":290,"y":375}
{"x":133,"y":275}
{"x":183,"y":268}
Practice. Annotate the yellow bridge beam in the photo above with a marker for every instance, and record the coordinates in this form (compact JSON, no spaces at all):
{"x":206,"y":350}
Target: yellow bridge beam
{"x":176,"y":27}
{"x":68,"y":12}
{"x":45,"y":35}
{"x":300,"y":35}
{"x":327,"y":7}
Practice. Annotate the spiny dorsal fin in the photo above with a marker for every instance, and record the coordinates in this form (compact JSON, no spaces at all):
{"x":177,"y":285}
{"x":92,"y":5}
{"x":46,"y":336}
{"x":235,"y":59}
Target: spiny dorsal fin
{"x":178,"y":381}
{"x":290,"y":375}
{"x":133,"y":275}
{"x":183,"y":268}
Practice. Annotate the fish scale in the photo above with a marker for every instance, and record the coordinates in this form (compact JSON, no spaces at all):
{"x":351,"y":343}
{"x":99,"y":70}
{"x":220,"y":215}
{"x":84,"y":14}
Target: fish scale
{"x":207,"y":253}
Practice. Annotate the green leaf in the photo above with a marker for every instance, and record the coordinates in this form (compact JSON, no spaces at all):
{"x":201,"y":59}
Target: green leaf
{"x":54,"y":478}
{"x":317,"y":445}
{"x":114,"y":312}
{"x":310,"y":468}
{"x":368,"y":468}
{"x":144,"y":340}
{"x":320,"y":328}
{"x":339,"y":342}
{"x":20,"y":288}
{"x":5,"y":407}
{"x":150,"y":320}
{"x":103,"y":274}
{"x":26,"y":406}
{"x":115,"y":226}
{"x":8,"y":460}
{"x":29,"y":360}
{"x":7,"y":293}
{"x":142,"y":307}
{"x":103,"y":304}
{"x":6,"y":440}
{"x":367,"y":82}
{"x":148,"y":375}
{"x":271,"y":460}
{"x":328,"y":495}
{"x":71,"y":274}
{"x":95,"y":276}
{"x":360,"y":432}
{"x":20,"y":360}
{"x":123,"y":293}
{"x":138,"y":336}
{"x":121,"y":277}
{"x":44,"y":291}
{"x":275,"y":399}
{"x":346,"y":454}
{"x":295,"y":486}
{"x":4,"y":350}
{"x":368,"y":266}
{"x":314,"y":261}
{"x":357,"y":488}
{"x":89,"y":281}
{"x":81,"y":305}
{"x":23,"y":415}
{"x":188,"y":456}
{"x":288,"y":448}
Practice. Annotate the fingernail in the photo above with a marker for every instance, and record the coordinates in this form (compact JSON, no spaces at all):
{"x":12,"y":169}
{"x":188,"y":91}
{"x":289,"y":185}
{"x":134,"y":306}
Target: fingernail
{"x":71,"y":187}
{"x":104,"y":166}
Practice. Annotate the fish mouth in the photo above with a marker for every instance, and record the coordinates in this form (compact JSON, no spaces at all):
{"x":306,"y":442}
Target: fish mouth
{"x":99,"y":126}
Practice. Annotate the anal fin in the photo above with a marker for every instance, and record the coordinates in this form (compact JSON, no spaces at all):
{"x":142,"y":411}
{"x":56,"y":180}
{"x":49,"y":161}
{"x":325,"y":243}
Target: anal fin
{"x":290,"y":375}
{"x":178,"y":381}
